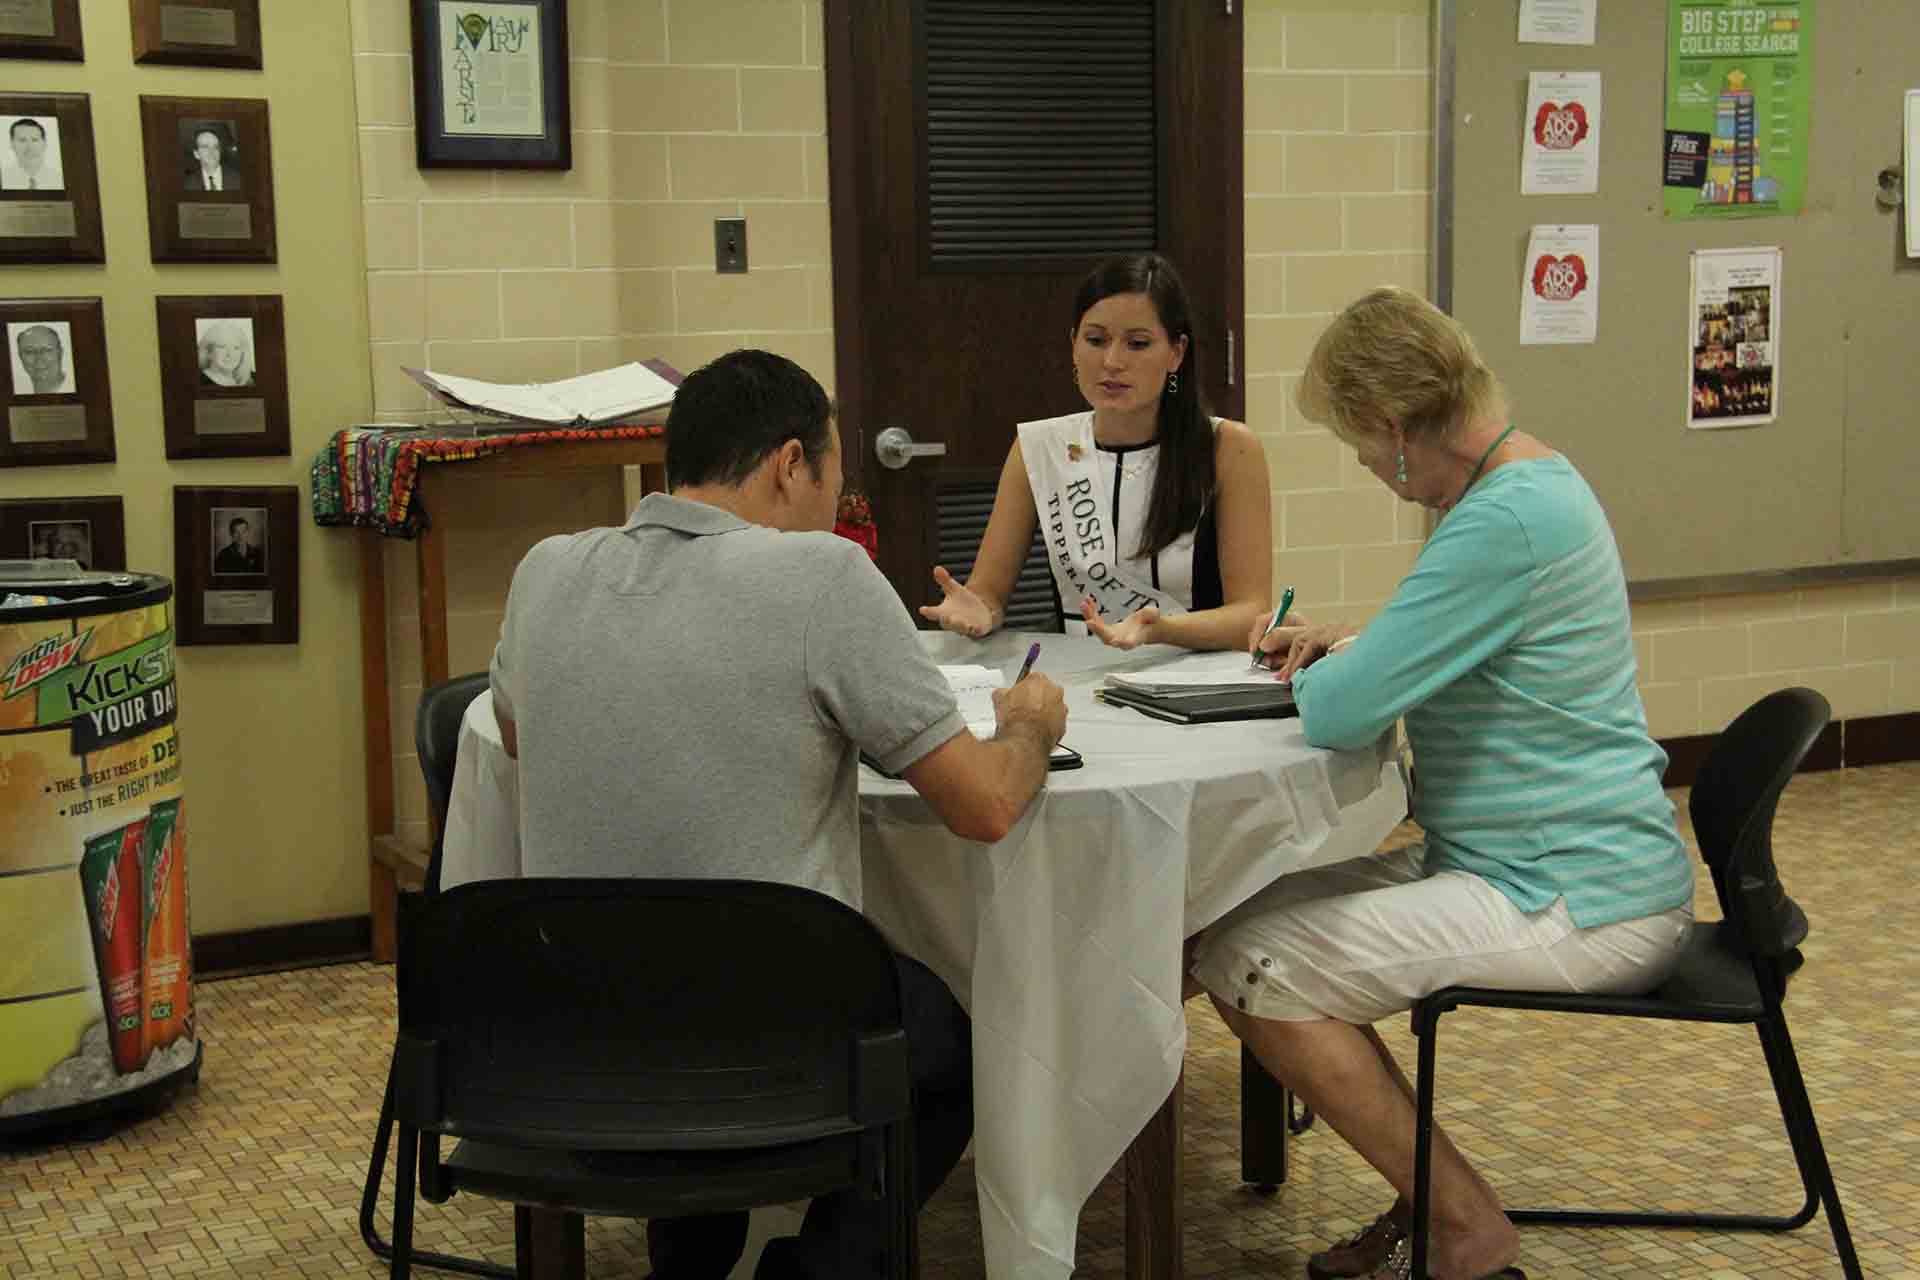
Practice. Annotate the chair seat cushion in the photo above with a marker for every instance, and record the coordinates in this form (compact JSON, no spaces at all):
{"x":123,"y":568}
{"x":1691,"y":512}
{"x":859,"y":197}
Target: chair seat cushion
{"x":653,"y":1184}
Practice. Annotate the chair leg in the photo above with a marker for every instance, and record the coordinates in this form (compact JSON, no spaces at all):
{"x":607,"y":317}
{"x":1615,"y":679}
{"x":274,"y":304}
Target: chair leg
{"x":1423,"y":1142}
{"x":1264,"y":1124}
{"x":409,"y":1164}
{"x":1791,"y":1088}
{"x":370,"y":1200}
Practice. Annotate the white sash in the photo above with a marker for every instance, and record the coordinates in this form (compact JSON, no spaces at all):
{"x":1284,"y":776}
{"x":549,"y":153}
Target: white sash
{"x":1075,"y":520}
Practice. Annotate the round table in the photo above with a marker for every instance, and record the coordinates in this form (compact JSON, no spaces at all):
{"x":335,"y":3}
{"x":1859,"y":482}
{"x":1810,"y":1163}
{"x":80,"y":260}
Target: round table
{"x":1064,"y":939}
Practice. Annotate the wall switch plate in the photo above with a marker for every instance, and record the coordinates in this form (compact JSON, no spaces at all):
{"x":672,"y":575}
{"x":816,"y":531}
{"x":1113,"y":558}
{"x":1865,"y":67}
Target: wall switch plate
{"x":730,"y":246}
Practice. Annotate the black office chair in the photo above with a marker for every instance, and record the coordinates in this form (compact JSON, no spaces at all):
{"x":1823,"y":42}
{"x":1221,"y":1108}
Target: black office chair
{"x":436,"y":737}
{"x":649,"y":1048}
{"x":1733,"y":971}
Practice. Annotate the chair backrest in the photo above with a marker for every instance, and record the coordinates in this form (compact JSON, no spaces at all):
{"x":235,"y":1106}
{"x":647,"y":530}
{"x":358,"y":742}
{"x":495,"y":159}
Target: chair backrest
{"x":436,"y":738}
{"x":1733,"y":803}
{"x":646,"y":1015}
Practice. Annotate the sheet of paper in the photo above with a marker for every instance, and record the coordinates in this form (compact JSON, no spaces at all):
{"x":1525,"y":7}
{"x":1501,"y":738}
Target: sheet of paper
{"x":1557,"y":21}
{"x":1734,"y":319}
{"x":1560,"y":290}
{"x":1562,"y":146}
{"x":973,"y":688}
{"x":612,"y":393}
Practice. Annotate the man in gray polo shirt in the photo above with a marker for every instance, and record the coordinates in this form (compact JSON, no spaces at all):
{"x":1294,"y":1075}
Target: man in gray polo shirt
{"x":687,"y":696}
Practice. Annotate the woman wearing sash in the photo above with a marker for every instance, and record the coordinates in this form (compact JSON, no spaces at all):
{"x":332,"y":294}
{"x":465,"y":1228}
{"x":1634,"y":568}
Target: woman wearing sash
{"x":1156,"y":516}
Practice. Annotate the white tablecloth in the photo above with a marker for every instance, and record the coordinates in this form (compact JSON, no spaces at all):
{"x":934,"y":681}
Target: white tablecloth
{"x":1063,"y":940}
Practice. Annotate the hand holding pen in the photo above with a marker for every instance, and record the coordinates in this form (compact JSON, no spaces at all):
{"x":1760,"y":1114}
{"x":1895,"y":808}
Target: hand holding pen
{"x":1279,"y":615}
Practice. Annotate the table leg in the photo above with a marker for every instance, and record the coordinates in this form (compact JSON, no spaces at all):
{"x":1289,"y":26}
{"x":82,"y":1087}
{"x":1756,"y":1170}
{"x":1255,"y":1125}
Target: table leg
{"x":1263,"y":1126}
{"x":549,"y":1244}
{"x":376,"y":708}
{"x":1154,"y":1231}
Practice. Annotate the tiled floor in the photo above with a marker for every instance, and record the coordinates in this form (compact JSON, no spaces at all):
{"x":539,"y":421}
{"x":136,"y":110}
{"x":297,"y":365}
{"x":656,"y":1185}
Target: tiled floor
{"x":257,"y":1171}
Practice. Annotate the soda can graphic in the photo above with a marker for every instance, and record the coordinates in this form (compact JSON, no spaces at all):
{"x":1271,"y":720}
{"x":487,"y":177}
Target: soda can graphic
{"x":110,"y":884}
{"x":165,"y":945}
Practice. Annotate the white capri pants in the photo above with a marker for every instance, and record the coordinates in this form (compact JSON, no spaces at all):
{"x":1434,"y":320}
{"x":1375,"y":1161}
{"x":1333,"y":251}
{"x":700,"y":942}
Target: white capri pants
{"x":1366,"y":938}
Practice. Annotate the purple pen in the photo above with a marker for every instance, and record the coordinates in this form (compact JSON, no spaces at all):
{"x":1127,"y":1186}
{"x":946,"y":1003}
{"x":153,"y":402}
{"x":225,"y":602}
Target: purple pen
{"x":1027,"y":666}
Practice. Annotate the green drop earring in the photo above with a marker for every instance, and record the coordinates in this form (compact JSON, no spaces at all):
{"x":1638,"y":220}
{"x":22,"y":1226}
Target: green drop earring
{"x":1400,"y":467}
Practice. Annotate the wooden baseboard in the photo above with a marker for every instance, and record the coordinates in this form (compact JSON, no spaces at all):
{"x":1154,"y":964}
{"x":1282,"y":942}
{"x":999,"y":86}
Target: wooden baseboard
{"x":1843,"y":744}
{"x":279,"y":947}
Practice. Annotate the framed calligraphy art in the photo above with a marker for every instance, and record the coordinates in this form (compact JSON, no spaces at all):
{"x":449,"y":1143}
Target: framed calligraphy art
{"x":490,"y":84}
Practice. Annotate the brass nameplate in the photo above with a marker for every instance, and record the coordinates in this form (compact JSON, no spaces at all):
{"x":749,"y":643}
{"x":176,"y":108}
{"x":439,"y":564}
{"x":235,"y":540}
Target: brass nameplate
{"x":201,"y":221}
{"x":38,"y":219}
{"x":229,"y":417}
{"x":46,"y":423}
{"x":238,"y":608}
{"x":26,"y":18}
{"x":197,"y":24}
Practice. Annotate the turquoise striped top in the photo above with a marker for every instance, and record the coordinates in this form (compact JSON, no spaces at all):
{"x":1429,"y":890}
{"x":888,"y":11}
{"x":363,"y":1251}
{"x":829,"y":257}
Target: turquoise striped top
{"x":1508,"y":650}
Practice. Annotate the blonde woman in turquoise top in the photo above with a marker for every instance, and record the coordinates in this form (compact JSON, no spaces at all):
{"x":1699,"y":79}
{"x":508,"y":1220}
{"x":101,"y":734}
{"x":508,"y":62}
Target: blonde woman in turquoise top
{"x":1551,"y":859}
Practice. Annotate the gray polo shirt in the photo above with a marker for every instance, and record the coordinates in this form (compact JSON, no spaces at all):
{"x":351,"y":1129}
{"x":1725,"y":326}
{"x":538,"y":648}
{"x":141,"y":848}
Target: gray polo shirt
{"x":691,"y":692}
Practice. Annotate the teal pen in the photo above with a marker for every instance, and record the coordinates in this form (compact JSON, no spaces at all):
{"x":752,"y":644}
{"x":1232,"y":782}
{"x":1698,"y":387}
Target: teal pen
{"x":1286,"y":603}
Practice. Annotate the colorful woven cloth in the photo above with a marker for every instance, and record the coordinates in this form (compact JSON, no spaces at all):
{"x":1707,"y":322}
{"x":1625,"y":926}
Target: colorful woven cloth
{"x":365,"y":476}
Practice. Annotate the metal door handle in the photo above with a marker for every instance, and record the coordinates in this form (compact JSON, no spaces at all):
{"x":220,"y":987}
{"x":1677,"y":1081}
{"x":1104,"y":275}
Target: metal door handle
{"x":895,"y":448}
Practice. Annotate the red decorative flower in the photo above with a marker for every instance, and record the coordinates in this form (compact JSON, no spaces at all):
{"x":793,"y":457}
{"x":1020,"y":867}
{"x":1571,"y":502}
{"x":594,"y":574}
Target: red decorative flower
{"x":854,"y":522}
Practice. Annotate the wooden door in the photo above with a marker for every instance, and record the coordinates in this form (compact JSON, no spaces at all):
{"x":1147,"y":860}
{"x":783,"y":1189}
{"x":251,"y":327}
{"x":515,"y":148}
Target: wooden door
{"x":984,"y":155}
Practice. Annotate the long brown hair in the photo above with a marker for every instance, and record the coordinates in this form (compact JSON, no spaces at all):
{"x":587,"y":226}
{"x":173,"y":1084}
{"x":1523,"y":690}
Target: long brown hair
{"x":1183,"y":484}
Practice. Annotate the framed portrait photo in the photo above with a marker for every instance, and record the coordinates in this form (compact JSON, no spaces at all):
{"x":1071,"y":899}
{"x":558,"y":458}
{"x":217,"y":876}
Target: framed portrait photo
{"x":49,"y":187}
{"x":490,"y":84}
{"x":41,"y":29}
{"x":197,"y":33}
{"x":209,"y":179}
{"x":236,"y":564}
{"x":59,"y":406}
{"x":91,"y":531}
{"x":223,"y":376}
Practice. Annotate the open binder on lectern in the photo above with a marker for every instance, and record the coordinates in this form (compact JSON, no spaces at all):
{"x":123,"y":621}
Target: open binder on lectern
{"x":637,"y":391}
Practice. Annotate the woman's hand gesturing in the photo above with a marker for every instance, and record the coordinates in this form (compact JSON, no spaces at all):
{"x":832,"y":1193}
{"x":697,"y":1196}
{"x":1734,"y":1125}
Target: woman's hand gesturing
{"x":959,"y":609}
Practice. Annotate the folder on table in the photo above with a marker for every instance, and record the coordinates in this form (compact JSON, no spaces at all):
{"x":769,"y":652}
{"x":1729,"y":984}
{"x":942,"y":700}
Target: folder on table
{"x":1196,"y":705}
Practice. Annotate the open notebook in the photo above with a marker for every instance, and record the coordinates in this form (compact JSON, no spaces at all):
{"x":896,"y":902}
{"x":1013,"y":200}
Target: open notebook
{"x":973,"y":688}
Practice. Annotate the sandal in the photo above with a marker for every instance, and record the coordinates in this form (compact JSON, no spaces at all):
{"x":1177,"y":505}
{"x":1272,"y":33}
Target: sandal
{"x":1363,"y":1252}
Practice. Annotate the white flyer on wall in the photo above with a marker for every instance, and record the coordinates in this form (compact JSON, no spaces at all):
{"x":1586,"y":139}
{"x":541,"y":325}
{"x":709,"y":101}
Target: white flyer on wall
{"x":1562,"y":134}
{"x":490,"y":69}
{"x":1560,"y":295}
{"x":1733,"y":374}
{"x":1912,"y":196}
{"x":1557,"y":21}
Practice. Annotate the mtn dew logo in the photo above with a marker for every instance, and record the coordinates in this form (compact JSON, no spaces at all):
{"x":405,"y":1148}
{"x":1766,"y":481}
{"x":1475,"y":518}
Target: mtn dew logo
{"x":48,"y":658}
{"x":109,"y":905}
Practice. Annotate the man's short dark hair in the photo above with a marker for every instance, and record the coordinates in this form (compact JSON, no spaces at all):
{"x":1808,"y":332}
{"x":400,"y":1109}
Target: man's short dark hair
{"x":30,"y":123}
{"x":238,"y":522}
{"x":731,"y":413}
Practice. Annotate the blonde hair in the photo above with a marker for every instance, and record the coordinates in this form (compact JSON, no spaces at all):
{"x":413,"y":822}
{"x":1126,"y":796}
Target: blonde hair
{"x":1392,"y":358}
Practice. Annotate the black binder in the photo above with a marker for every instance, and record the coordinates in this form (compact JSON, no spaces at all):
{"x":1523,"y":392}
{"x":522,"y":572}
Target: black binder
{"x":1243,"y":702}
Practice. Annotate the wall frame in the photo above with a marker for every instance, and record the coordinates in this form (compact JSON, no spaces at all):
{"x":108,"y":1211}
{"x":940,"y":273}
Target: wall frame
{"x":193,"y":146}
{"x":223,"y":376}
{"x":49,"y":183}
{"x":58,"y":399}
{"x":490,"y":84}
{"x":41,"y":29}
{"x":90,"y":530}
{"x":236,"y":564}
{"x":197,"y":33}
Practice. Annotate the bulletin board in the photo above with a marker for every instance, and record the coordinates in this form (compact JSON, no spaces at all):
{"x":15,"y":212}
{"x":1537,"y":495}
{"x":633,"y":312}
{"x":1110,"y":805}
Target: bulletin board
{"x":1833,"y":485}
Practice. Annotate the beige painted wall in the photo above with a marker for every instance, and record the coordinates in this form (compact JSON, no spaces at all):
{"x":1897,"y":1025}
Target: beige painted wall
{"x":683,"y":111}
{"x":687,"y":110}
{"x":270,"y":734}
{"x":1339,"y":130}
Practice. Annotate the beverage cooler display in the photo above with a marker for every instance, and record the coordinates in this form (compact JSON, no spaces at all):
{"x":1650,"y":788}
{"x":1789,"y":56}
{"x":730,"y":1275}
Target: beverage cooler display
{"x":96,"y":983}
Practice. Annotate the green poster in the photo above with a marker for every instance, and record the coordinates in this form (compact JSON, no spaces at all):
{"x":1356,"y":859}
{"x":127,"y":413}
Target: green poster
{"x":1739,"y":74}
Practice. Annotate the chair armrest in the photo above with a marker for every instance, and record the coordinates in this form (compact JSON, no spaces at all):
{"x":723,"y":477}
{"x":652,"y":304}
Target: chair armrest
{"x":882,"y":1086}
